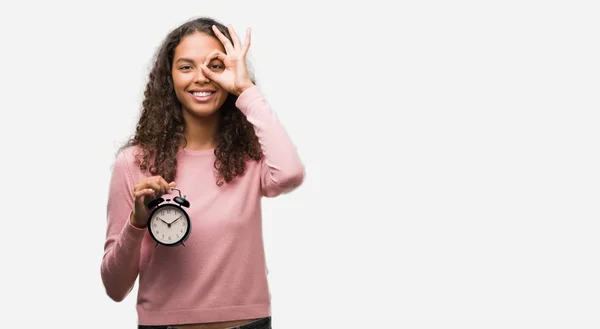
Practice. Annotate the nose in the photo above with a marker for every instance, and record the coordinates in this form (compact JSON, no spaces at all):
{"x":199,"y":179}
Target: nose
{"x":200,"y":78}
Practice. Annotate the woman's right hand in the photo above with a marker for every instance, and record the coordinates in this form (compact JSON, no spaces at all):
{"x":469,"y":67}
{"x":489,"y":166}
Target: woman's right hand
{"x":146,"y":190}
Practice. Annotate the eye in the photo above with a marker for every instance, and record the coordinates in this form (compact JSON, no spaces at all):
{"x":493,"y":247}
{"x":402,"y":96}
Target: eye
{"x":216,"y":66}
{"x":185,"y":67}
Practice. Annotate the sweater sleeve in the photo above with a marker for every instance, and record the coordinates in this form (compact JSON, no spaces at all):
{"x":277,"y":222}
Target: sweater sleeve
{"x":122,"y":247}
{"x":281,"y":168}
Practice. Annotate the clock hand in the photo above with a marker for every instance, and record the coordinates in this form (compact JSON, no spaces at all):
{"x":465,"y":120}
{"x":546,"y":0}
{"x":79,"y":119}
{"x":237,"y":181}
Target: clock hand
{"x":168,"y":225}
{"x":176,"y":219}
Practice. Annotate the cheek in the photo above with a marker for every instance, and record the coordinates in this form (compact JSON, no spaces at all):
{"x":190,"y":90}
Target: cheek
{"x":223,"y":96}
{"x":180,"y":82}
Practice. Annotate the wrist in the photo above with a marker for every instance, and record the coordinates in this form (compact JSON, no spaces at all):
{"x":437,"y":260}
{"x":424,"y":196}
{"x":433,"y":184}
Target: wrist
{"x":244,"y":88}
{"x":134,"y":223}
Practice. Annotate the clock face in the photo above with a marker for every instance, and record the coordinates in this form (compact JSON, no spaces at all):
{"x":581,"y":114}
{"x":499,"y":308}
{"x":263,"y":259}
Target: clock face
{"x":169,"y":225}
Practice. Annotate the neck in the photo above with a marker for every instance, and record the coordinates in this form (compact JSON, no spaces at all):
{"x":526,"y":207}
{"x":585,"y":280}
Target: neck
{"x":200,"y":133}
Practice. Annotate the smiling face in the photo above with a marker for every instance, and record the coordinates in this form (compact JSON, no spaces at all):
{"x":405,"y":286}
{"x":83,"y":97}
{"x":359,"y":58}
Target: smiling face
{"x":198,"y":96}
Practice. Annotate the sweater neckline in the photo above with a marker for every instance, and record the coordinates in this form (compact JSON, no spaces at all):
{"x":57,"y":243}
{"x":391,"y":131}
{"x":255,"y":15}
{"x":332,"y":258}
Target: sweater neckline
{"x":198,"y":152}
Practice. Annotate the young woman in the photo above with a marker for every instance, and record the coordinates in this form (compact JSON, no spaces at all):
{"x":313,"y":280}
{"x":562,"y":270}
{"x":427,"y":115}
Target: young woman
{"x":207,"y":130}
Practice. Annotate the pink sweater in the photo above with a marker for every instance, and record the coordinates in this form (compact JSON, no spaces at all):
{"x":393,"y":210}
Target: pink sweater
{"x":220,"y":274}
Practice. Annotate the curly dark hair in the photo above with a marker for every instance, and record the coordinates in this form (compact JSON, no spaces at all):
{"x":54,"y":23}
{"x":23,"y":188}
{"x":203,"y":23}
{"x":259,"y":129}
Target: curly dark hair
{"x":160,"y":129}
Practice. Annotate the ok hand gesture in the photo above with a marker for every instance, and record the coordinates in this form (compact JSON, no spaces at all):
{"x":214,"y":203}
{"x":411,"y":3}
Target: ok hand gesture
{"x":234,"y":78}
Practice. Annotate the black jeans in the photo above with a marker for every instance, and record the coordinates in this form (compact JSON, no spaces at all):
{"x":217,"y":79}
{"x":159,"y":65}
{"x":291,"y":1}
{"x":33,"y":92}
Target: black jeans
{"x":264,"y":323}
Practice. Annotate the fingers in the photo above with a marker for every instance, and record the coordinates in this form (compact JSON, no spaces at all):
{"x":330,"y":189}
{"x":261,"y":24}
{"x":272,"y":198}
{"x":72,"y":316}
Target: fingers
{"x":236,"y":41}
{"x":247,"y":44}
{"x":158,"y":184}
{"x":142,"y":193}
{"x":228,"y":46}
{"x":207,"y":72}
{"x":215,"y":54}
{"x":153,"y":185}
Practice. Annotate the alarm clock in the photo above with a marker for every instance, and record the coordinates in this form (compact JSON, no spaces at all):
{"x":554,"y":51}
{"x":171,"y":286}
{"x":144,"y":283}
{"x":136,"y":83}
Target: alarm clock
{"x":169,"y":224}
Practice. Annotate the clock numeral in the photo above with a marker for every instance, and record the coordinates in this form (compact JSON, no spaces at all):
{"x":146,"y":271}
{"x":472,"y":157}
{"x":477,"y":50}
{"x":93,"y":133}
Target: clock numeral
{"x":177,"y":235}
{"x":154,"y":225}
{"x":169,"y":238}
{"x":163,"y":236}
{"x":181,"y":230}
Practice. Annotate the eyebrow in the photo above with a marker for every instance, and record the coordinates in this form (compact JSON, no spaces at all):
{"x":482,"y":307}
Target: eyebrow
{"x":183,"y":59}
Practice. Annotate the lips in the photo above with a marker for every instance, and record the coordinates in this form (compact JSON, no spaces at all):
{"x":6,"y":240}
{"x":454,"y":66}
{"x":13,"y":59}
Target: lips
{"x":202,"y":93}
{"x":202,"y":96}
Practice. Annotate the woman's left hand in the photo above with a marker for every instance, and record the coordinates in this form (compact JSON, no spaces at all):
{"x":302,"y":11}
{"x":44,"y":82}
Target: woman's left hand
{"x":234,"y":77}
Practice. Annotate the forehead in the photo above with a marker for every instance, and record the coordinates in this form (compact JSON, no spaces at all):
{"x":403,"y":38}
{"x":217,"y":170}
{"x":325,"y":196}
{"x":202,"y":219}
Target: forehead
{"x":197,"y":46}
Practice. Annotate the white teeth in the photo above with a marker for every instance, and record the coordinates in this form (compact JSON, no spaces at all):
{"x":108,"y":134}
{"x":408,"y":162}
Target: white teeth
{"x":202,"y":93}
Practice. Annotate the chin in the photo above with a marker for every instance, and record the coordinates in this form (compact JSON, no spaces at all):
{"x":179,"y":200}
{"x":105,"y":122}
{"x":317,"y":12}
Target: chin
{"x":203,"y":111}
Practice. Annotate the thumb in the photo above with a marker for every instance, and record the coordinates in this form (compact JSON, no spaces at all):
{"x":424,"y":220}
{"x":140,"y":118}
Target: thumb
{"x":208,"y":73}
